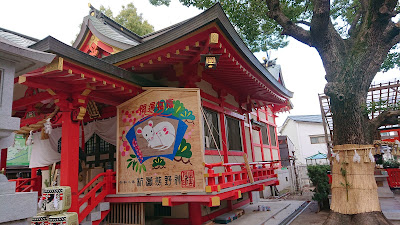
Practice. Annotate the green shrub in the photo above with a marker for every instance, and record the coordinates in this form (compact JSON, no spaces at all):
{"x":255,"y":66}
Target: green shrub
{"x":320,"y":180}
{"x":391,"y":164}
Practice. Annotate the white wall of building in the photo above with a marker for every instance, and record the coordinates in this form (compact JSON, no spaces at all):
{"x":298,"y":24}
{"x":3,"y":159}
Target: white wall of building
{"x":300,"y":133}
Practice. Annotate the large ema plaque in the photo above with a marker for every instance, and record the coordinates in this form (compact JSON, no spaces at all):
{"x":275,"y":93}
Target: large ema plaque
{"x":159,"y":142}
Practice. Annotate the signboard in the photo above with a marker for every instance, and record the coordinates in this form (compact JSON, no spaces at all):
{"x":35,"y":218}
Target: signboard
{"x":159,"y":142}
{"x":19,"y":154}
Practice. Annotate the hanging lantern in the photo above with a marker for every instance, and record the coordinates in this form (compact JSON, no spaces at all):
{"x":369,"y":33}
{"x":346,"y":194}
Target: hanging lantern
{"x":210,"y":60}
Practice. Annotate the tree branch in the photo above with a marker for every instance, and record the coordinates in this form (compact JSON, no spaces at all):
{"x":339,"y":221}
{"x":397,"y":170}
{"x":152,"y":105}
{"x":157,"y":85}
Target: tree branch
{"x":289,"y":27}
{"x":303,"y":22}
{"x":385,"y":118}
{"x":392,"y":33}
{"x":355,"y":22}
{"x":364,"y":4}
{"x":320,"y":19}
{"x":381,"y":14}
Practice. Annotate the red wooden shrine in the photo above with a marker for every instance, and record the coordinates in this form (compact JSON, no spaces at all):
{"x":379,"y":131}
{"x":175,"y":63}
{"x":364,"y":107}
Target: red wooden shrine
{"x":108,"y":65}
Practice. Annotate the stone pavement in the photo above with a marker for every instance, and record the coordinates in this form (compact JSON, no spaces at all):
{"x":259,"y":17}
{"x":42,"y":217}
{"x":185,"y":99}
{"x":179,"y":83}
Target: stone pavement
{"x":280,"y":209}
{"x":391,"y":207}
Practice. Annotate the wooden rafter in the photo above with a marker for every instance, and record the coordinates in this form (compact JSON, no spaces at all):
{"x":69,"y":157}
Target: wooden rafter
{"x":24,"y":102}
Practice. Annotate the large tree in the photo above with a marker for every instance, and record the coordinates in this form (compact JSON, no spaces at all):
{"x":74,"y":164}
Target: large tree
{"x":129,"y":18}
{"x":354,"y":38}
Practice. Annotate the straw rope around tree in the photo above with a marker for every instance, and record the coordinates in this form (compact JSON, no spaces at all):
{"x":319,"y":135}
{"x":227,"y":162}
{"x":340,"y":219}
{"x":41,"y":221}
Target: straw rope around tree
{"x":354,"y":189}
{"x":37,"y":126}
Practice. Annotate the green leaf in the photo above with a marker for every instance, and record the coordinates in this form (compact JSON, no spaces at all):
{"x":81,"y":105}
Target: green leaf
{"x":144,"y":167}
{"x":129,"y":164}
{"x":133,"y":156}
{"x":129,"y":160}
{"x":184,"y":149}
{"x":134,"y":165}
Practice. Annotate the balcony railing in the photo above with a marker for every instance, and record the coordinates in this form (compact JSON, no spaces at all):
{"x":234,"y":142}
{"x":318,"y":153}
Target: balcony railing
{"x":29,"y":184}
{"x":217,"y":181}
{"x":105,"y":186}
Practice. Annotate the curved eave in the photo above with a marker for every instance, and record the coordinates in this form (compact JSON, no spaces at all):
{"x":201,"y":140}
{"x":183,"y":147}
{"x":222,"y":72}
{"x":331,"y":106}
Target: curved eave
{"x":88,"y":26}
{"x":25,"y":59}
{"x":52,"y":45}
{"x":214,"y":14}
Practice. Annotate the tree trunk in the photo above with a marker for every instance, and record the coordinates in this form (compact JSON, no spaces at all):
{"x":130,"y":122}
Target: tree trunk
{"x":354,"y":196}
{"x":368,"y":218}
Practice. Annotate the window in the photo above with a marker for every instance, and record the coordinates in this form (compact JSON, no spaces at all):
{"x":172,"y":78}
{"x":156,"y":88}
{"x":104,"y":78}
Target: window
{"x":317,"y":139}
{"x":102,"y":151}
{"x":211,"y":127}
{"x":273,"y":135}
{"x":233,"y":134}
{"x":90,"y":145}
{"x":264,"y":134}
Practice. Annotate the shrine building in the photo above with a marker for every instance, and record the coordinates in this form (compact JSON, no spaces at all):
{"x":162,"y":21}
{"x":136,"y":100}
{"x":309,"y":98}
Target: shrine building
{"x":177,"y":125}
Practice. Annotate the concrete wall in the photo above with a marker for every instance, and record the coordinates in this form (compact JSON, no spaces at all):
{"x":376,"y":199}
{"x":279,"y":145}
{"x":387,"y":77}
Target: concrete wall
{"x":300,"y":133}
{"x":15,"y":208}
{"x":306,"y":130}
{"x":8,"y":124}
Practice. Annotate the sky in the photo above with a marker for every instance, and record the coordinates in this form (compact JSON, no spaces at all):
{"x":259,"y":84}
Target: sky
{"x":302,"y":68}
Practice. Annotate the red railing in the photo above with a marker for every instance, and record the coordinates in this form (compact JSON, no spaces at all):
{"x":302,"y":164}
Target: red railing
{"x":106,"y":185}
{"x":29,"y":184}
{"x":230,"y":178}
{"x":393,"y":177}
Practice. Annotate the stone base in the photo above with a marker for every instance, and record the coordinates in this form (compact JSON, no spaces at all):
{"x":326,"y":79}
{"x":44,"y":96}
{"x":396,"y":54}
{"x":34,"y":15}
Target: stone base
{"x":15,"y":208}
{"x":16,"y":222}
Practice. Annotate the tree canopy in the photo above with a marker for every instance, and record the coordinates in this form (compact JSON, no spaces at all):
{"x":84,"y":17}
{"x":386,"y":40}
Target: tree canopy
{"x":129,"y":18}
{"x":265,"y":25}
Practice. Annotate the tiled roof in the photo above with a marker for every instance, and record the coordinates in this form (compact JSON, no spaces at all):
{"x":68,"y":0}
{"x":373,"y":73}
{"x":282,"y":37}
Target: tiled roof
{"x":109,"y":31}
{"x":275,"y":71}
{"x":16,"y":38}
{"x":317,"y":156}
{"x":307,"y":118}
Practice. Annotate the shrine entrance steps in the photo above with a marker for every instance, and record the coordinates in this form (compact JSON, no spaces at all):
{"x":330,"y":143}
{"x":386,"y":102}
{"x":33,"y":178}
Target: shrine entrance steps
{"x":97,"y":215}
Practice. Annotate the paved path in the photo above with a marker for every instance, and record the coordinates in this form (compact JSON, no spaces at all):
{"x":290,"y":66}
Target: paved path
{"x":280,"y":209}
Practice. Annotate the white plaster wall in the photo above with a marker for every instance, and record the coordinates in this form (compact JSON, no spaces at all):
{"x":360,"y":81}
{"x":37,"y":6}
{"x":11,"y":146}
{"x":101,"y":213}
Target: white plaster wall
{"x":291,"y":130}
{"x":284,"y":178}
{"x":207,"y":88}
{"x":275,"y":154}
{"x":305,"y":131}
{"x":214,"y":159}
{"x":231,"y":100}
{"x":262,"y":115}
{"x":257,"y":154}
{"x":236,"y":159}
{"x":299,"y":133}
{"x":248,"y":144}
{"x":270,"y":117}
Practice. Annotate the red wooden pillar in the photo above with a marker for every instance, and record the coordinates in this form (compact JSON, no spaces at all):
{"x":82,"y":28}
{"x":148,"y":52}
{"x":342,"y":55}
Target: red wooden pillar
{"x":251,"y":137}
{"x":277,"y":141}
{"x":195,"y":213}
{"x":223,"y":136}
{"x":3,"y":162}
{"x":70,"y":157}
